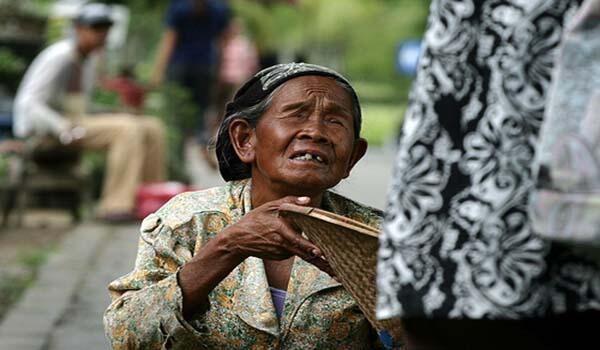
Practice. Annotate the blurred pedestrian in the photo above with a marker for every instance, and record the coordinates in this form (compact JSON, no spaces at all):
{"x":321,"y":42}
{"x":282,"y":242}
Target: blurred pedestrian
{"x":239,"y":58}
{"x":238,"y":62}
{"x":52,"y":102}
{"x":189,"y":54}
{"x":458,"y":260}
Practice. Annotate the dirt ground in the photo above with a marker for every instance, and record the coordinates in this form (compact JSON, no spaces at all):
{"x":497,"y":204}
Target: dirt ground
{"x":23,"y":250}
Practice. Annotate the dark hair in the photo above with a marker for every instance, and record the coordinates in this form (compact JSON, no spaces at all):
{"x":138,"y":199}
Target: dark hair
{"x":231,"y":167}
{"x":228,"y":158}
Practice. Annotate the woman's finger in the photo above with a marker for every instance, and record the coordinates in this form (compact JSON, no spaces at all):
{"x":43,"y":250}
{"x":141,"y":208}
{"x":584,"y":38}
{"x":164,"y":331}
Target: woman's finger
{"x":302,"y":200}
{"x":296,"y":243}
{"x":323,"y":266}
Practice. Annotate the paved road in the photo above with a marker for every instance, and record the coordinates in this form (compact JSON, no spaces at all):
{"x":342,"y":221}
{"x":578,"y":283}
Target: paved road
{"x":63,"y":309}
{"x":368,"y":182}
{"x":82,"y":321}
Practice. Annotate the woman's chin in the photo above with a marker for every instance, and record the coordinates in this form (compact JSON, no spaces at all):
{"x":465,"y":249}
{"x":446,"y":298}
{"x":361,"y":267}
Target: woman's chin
{"x":309,"y":185}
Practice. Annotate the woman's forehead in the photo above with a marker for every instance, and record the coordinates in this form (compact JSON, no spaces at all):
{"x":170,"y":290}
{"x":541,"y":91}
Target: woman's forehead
{"x":303,"y":87}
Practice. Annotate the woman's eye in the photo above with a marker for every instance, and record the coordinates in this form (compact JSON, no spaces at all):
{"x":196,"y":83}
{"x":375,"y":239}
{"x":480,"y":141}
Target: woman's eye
{"x":336,"y":121}
{"x":299,"y":115}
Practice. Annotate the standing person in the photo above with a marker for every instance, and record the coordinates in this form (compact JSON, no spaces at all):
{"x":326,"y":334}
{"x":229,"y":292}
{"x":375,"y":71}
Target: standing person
{"x":238,"y":62}
{"x":189,"y":51}
{"x":458,"y":259}
{"x":51,"y":101}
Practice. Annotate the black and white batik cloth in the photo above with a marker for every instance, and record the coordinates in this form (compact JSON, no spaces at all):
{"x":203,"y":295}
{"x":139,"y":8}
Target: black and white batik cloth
{"x":457,"y":241}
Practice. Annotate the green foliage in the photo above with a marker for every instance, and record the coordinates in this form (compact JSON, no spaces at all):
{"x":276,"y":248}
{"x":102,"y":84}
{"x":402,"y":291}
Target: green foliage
{"x":360,"y":34}
{"x":373,"y":91}
{"x":372,"y":42}
{"x":381,"y":122}
{"x":13,"y":282}
{"x":106,"y":99}
{"x":3,"y":166}
{"x":275,"y":27}
{"x":145,"y":30}
{"x":11,"y":63}
{"x":174,"y":105}
{"x":39,"y":6}
{"x":11,"y":288}
{"x":33,"y":259}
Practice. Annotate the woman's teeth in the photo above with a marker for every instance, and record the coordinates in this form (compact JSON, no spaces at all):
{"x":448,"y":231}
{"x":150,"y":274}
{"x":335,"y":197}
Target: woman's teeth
{"x":309,"y":156}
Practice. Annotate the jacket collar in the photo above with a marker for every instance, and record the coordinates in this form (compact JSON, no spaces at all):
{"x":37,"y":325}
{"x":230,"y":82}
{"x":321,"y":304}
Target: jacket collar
{"x":253,"y":302}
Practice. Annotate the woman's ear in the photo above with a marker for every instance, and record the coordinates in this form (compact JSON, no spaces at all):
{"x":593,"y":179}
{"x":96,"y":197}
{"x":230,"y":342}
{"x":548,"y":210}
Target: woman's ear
{"x":242,"y":137}
{"x":360,"y":148}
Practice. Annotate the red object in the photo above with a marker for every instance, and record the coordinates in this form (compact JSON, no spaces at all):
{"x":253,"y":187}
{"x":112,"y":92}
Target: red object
{"x":131,"y":93}
{"x":151,"y":196}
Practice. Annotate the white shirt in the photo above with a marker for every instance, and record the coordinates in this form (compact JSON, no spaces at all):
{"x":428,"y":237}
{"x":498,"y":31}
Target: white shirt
{"x":40,"y":101}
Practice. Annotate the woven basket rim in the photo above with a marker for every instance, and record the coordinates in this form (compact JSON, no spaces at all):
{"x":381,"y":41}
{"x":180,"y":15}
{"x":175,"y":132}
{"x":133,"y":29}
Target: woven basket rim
{"x":331,"y":218}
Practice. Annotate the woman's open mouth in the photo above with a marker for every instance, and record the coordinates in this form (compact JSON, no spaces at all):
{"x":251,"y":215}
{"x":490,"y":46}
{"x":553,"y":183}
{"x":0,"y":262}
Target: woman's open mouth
{"x":309,"y":157}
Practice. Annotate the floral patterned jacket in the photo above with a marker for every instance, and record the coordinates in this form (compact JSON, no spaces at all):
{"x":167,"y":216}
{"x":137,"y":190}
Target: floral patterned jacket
{"x":147,"y":303}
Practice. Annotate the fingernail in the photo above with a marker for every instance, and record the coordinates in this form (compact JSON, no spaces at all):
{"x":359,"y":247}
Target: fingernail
{"x":303,"y":199}
{"x":315,"y":253}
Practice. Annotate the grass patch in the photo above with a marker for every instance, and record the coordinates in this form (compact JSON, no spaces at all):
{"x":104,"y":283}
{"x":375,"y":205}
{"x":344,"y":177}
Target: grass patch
{"x":33,"y":259}
{"x":15,"y":279}
{"x":11,"y":288}
{"x":381,"y":122}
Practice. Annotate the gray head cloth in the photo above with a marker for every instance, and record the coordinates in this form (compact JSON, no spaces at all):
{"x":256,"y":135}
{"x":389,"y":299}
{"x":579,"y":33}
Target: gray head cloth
{"x":253,"y":92}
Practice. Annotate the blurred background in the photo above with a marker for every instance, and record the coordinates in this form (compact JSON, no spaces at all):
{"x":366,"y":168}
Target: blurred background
{"x":374,"y":43}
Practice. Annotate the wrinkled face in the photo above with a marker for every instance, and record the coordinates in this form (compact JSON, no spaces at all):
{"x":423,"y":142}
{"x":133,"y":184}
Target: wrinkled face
{"x":305,"y":140}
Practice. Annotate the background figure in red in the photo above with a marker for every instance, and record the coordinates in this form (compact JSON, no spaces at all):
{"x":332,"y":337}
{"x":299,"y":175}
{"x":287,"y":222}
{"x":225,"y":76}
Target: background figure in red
{"x":239,"y":58}
{"x":131,"y":92}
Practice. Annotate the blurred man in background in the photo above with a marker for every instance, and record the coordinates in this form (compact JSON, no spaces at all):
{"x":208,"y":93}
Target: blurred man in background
{"x":52,"y":100}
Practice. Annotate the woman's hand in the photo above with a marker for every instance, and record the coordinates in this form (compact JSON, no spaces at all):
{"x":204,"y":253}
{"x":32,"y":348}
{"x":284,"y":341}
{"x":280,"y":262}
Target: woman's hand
{"x":264,"y":234}
{"x":261,"y":233}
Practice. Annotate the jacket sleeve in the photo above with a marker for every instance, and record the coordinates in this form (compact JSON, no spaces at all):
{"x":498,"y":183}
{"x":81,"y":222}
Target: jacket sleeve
{"x":45,"y":117}
{"x":33,"y":98}
{"x":146,"y":311}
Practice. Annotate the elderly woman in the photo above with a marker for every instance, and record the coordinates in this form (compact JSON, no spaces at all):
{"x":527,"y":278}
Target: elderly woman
{"x":219,"y":269}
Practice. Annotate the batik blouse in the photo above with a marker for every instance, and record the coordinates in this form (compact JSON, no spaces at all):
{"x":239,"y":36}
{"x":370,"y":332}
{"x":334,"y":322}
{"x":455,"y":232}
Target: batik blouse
{"x":146,"y":312}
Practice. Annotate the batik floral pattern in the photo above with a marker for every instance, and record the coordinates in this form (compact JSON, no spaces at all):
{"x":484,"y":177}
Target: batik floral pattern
{"x":457,"y":241}
{"x":146,"y":312}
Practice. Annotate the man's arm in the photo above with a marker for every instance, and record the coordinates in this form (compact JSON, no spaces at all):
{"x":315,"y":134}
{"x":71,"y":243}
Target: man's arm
{"x":41,"y":81}
{"x":165,"y":50}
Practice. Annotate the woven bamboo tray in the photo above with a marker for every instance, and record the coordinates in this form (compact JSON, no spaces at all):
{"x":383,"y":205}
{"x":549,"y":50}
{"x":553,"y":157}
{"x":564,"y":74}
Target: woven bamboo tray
{"x":350,"y":247}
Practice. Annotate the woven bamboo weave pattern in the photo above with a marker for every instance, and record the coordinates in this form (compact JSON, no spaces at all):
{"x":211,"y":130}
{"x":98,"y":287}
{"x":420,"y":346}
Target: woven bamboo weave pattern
{"x":350,"y":248}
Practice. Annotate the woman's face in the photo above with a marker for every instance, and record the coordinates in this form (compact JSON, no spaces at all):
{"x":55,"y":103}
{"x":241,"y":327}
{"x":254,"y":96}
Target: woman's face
{"x":305,"y":140}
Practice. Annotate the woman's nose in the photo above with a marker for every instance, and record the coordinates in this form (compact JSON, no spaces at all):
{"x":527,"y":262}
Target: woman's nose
{"x":314,"y":129}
